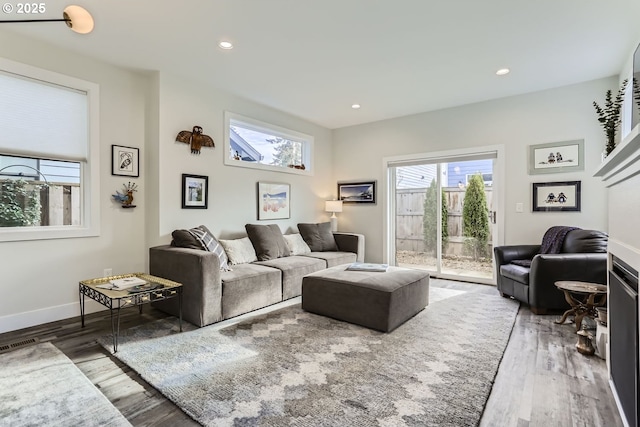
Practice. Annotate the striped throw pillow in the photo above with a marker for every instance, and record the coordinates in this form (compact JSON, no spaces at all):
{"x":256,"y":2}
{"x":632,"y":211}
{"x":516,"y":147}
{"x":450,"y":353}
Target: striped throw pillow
{"x":211,"y":244}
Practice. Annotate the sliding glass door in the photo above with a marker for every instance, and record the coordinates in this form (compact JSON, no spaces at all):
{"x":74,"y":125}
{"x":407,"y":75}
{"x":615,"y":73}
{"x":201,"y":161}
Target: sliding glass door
{"x":443,"y":215}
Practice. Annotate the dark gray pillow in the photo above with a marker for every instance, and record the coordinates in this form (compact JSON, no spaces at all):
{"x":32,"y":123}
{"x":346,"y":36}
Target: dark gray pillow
{"x":318,"y":236}
{"x":268,"y":241}
{"x":184,"y":239}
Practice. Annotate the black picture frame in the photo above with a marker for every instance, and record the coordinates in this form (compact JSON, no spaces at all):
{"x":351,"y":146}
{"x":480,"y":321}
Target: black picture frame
{"x":195,"y":191}
{"x":125,"y":161}
{"x":357,"y":192}
{"x":556,"y":196}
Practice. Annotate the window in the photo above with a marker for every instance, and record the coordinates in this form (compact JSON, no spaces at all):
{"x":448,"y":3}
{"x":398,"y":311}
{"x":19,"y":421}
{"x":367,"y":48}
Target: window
{"x":254,"y":144}
{"x":49,"y":144}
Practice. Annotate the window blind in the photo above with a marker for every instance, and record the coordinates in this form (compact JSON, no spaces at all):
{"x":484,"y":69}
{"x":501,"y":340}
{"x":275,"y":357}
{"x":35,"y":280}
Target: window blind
{"x":43,"y":120}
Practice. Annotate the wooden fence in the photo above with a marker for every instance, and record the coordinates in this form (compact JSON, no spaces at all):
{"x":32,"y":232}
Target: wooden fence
{"x":60,"y":203}
{"x":409,"y":217}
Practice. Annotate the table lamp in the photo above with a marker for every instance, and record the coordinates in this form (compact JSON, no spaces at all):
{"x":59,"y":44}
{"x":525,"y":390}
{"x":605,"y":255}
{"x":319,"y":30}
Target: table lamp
{"x":333,"y":206}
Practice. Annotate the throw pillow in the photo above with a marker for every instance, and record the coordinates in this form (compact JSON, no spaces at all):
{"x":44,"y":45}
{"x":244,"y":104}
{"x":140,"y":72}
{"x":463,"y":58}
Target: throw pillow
{"x":209,"y":243}
{"x":318,"y":236}
{"x":239,"y":251}
{"x":268,"y":241}
{"x":296,"y":244}
{"x":184,"y":239}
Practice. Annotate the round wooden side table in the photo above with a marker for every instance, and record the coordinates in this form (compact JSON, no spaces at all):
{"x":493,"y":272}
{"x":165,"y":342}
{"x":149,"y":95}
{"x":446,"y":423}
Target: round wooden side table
{"x":583,"y":297}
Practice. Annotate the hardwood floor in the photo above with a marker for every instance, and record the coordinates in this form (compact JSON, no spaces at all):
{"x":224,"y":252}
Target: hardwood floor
{"x":542,"y":380}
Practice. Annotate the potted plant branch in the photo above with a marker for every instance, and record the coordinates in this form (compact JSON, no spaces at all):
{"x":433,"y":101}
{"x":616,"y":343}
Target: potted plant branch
{"x":609,"y":116}
{"x":636,"y":92}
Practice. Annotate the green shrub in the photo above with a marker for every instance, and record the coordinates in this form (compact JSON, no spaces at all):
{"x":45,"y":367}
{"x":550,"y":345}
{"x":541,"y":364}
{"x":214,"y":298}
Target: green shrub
{"x":430,"y":219}
{"x":19,"y":203}
{"x":475,"y":218}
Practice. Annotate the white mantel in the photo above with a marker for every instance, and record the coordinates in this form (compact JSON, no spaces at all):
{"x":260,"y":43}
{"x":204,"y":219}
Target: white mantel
{"x":623,"y":162}
{"x":620,"y":172}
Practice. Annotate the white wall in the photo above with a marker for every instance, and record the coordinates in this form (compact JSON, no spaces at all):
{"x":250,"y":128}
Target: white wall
{"x":39,"y":279}
{"x":516,"y":122}
{"x":232,"y":190}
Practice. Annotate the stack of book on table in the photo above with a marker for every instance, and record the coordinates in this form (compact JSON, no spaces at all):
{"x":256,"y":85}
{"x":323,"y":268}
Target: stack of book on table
{"x":367,"y":266}
{"x":122,"y":284}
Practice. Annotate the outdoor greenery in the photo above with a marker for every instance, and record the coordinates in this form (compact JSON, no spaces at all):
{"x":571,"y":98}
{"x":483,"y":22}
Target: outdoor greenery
{"x":475,"y":218}
{"x":287,"y":152}
{"x":636,"y":91}
{"x":609,"y":116}
{"x":19,"y":203}
{"x":430,"y":217}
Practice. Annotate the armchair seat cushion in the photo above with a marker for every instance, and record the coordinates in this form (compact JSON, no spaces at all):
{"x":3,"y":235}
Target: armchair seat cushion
{"x":515,"y":272}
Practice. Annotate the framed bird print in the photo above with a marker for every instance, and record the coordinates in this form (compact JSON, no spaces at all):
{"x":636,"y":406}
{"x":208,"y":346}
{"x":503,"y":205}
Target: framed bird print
{"x":195,"y":191}
{"x":125,"y":161}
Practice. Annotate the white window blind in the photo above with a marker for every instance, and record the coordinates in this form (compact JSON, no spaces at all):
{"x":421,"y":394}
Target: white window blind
{"x":42,"y":119}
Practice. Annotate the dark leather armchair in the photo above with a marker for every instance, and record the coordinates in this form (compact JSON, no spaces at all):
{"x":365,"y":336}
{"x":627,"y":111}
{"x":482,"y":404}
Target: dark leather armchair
{"x":582,"y":257}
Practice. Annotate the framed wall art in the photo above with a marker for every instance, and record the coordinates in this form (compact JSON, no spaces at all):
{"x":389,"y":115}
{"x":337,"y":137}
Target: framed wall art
{"x":556,"y":157}
{"x":357,"y":192}
{"x":125,"y":161}
{"x":195,"y":191}
{"x":274,"y":200}
{"x":556,"y":196}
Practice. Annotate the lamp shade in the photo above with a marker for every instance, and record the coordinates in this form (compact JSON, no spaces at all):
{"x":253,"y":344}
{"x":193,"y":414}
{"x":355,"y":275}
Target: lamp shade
{"x":333,"y":206}
{"x":79,"y":19}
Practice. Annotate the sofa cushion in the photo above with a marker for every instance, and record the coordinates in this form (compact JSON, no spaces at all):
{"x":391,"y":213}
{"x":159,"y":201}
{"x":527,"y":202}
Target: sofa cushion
{"x":294,"y":268}
{"x":296,"y":244}
{"x":267,"y":241}
{"x":318,"y":236}
{"x":239,"y":251}
{"x":249,"y":287}
{"x":334,"y":258}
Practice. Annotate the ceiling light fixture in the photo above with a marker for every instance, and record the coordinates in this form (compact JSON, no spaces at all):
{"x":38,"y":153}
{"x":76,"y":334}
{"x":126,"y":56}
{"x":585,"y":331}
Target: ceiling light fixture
{"x":225,"y":45}
{"x":77,"y":18}
{"x":355,"y":106}
{"x":503,"y":71}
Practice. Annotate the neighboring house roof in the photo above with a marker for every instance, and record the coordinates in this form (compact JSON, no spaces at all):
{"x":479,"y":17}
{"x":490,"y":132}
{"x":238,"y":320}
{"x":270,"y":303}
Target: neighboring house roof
{"x":247,"y":152}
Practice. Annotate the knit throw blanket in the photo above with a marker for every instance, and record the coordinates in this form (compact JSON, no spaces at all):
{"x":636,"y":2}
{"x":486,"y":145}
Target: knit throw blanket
{"x":551,"y":243}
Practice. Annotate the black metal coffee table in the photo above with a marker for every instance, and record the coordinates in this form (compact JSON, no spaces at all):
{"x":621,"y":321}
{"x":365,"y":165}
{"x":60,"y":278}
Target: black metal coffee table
{"x":154,"y":289}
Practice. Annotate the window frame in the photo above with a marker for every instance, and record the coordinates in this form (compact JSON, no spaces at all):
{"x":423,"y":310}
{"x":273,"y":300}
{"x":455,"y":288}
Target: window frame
{"x":89,"y":169}
{"x":257,"y":125}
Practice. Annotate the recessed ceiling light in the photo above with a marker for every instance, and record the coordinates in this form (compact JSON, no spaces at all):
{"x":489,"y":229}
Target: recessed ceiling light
{"x":225,"y":45}
{"x":503,"y":71}
{"x":355,"y":106}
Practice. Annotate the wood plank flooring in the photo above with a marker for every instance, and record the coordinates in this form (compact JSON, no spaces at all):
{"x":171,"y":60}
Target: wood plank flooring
{"x":542,"y":380}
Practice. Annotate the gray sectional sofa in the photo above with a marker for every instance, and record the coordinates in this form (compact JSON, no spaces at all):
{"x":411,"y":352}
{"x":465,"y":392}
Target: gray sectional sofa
{"x":211,"y":294}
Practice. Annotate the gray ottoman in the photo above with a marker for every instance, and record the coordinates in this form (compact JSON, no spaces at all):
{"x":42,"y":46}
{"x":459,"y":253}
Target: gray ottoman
{"x":381,"y":301}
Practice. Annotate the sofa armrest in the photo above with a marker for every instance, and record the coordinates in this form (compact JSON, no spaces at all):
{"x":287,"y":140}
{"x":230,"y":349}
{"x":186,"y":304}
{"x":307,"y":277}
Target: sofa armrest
{"x":199,"y":273}
{"x":547,"y":269}
{"x":506,"y":254}
{"x":351,"y":242}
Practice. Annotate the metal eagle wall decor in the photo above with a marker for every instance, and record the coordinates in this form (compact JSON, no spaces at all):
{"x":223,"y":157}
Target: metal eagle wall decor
{"x":196,"y":138}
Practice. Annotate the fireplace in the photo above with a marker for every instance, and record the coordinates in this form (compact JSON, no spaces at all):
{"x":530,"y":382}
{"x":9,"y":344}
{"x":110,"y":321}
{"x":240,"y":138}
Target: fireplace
{"x":623,"y":340}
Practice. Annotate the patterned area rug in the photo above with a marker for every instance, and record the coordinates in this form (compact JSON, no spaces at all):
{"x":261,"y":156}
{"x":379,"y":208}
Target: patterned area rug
{"x":40,"y":386}
{"x":294,"y":368}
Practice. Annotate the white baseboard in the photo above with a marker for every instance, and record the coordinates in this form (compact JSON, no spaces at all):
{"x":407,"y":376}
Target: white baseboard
{"x":27,"y":319}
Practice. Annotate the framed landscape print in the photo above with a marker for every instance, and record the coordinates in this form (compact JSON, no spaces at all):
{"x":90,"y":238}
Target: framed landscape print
{"x":125,"y":161}
{"x":556,"y":157}
{"x":195,"y":191}
{"x":357,"y":192}
{"x":274,"y":201}
{"x":556,"y":196}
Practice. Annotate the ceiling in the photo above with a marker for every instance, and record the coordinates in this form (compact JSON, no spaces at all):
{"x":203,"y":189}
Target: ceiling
{"x":315,"y":58}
